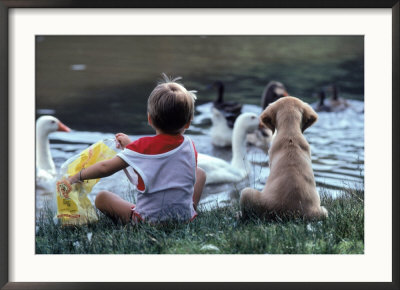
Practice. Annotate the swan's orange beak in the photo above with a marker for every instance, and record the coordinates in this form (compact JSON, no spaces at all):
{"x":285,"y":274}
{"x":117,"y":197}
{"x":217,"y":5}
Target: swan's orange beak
{"x":62,"y":127}
{"x":285,"y":93}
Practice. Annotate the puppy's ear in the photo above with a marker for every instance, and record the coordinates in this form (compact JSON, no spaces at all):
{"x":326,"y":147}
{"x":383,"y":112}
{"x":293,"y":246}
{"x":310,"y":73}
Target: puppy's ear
{"x":268,"y":118}
{"x":309,"y":117}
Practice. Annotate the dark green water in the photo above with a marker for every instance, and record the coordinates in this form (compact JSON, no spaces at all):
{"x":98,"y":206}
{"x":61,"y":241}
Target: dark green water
{"x":108,"y":90}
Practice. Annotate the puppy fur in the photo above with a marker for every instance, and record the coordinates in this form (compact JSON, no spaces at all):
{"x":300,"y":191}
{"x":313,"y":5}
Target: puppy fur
{"x":290,"y":190}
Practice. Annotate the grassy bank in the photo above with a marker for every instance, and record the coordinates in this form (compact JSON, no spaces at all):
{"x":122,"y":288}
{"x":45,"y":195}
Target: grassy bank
{"x":218,"y":232}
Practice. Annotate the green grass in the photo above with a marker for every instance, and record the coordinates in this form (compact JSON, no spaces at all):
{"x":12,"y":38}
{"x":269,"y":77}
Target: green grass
{"x":217,"y":231}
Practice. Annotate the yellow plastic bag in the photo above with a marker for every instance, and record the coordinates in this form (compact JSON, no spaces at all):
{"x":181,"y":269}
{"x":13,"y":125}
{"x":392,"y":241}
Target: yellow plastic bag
{"x":73,"y":204}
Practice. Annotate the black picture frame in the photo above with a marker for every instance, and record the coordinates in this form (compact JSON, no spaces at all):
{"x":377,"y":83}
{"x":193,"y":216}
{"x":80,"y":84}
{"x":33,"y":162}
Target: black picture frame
{"x":4,"y":136}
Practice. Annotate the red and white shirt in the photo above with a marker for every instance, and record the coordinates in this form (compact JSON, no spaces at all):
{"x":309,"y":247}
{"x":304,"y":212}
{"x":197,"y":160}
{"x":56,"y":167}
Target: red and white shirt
{"x":158,"y":144}
{"x":166,"y":170}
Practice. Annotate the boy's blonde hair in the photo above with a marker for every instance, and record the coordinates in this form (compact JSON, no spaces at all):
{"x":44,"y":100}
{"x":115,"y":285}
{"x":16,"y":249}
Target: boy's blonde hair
{"x":170,"y":106}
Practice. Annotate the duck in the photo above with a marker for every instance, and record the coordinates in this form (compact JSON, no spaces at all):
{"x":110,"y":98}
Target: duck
{"x":223,"y":117}
{"x":221,"y":171}
{"x":263,"y":136}
{"x":45,"y":168}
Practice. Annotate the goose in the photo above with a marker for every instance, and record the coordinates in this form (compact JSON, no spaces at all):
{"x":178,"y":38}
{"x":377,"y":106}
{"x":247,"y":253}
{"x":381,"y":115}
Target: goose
{"x":321,"y":106}
{"x":337,"y":104}
{"x":262,"y":137}
{"x":220,"y":171}
{"x":273,"y":91}
{"x":223,"y":118}
{"x":45,"y":168}
{"x":231,"y":110}
{"x":221,"y":133}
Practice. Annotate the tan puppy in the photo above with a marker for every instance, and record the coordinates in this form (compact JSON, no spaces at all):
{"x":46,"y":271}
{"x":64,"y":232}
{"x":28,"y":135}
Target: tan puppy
{"x":290,"y":188}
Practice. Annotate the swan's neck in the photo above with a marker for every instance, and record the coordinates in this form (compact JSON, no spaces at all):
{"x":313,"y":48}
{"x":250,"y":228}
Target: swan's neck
{"x":43,"y":155}
{"x":239,"y":158}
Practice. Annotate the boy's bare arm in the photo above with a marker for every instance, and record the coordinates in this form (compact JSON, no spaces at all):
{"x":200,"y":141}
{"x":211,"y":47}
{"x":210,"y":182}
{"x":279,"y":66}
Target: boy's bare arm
{"x":122,"y":140}
{"x":99,"y":170}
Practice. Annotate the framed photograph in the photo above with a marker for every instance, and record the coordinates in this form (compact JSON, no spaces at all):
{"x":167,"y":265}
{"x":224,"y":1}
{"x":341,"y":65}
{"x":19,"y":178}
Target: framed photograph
{"x":93,"y":67}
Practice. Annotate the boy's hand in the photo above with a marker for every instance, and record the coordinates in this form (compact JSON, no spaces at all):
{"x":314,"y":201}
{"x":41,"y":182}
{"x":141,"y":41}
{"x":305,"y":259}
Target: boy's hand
{"x":73,"y":179}
{"x":122,"y":140}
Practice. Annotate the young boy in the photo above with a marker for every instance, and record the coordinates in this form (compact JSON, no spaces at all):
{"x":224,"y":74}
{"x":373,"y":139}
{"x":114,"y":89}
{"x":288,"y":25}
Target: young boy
{"x":169,"y":182}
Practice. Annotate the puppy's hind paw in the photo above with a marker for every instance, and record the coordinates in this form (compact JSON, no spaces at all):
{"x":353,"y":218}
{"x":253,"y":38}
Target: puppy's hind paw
{"x":324,"y":212}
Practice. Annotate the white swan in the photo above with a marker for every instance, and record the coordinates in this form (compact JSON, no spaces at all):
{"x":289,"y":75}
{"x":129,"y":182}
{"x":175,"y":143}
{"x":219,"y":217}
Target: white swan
{"x":45,"y":168}
{"x":220,"y":171}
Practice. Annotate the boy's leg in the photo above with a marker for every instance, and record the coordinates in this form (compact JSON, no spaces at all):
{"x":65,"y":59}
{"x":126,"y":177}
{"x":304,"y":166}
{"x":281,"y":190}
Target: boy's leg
{"x":198,"y":186}
{"x":114,"y":206}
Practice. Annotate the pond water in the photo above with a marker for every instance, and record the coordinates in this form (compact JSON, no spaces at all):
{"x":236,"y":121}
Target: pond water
{"x":98,"y":86}
{"x":101,"y":83}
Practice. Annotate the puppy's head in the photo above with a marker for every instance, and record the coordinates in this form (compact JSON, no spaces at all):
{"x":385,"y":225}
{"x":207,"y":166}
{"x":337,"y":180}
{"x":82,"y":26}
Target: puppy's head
{"x":290,"y":110}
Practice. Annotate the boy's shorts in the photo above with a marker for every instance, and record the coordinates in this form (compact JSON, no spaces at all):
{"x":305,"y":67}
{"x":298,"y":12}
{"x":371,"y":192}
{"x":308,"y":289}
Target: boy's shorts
{"x":136,"y":217}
